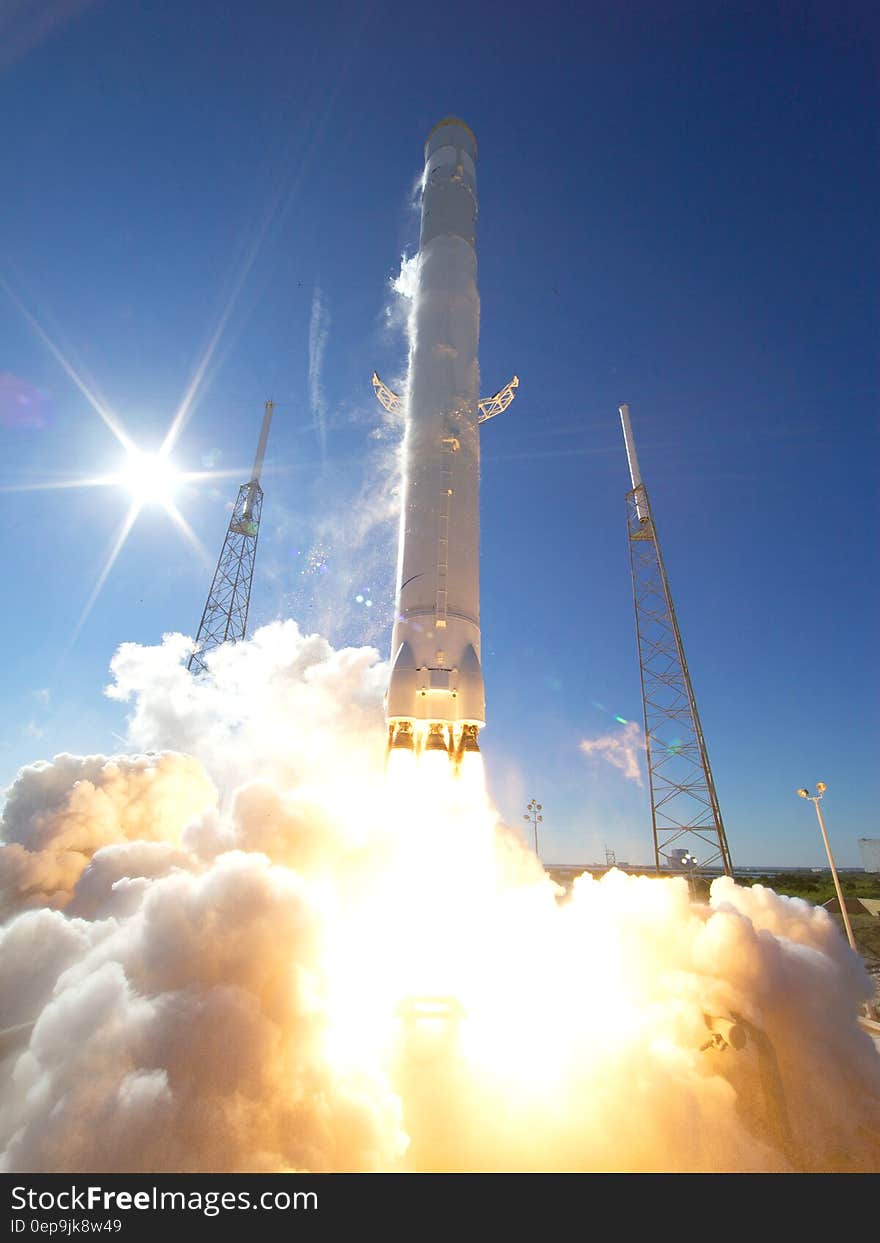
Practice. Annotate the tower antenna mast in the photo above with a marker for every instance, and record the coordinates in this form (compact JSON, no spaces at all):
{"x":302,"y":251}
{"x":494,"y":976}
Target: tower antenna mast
{"x":685,"y":813}
{"x":224,"y":619}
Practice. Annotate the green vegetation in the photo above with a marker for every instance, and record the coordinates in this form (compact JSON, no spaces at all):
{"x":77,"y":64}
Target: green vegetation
{"x":818,"y":887}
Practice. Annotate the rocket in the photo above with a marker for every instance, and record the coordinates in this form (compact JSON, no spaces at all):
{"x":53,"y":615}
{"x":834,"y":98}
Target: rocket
{"x":436,"y":699}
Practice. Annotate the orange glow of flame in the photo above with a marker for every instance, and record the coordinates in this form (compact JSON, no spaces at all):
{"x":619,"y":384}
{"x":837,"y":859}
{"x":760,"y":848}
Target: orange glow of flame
{"x":544,"y":1025}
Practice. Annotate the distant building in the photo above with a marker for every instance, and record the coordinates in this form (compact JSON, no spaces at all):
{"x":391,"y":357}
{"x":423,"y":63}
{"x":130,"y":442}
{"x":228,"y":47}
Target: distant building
{"x":870,"y":848}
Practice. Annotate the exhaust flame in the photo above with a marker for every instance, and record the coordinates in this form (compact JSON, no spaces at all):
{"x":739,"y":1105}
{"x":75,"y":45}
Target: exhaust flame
{"x":348,"y":966}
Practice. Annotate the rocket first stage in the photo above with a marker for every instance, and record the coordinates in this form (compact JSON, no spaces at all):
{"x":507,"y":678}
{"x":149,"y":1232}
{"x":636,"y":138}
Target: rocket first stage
{"x":436,"y":700}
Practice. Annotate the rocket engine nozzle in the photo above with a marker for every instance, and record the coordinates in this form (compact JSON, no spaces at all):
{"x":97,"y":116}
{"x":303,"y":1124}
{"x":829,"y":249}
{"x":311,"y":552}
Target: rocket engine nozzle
{"x":453,"y":741}
{"x":400,"y":737}
{"x":468,"y":741}
{"x":437,"y":739}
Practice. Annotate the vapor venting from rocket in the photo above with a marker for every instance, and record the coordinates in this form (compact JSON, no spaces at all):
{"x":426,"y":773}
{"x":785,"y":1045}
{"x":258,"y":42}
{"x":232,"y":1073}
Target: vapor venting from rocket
{"x":232,"y":960}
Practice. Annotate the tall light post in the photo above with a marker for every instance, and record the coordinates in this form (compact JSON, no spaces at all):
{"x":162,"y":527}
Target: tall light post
{"x":821,"y":787}
{"x":535,"y":818}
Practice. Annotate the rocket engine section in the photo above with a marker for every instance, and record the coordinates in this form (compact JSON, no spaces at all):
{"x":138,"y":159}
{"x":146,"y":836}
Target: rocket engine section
{"x":436,"y":698}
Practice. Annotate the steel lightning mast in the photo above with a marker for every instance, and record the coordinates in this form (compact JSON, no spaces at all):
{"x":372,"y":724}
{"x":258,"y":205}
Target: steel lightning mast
{"x":684,"y":806}
{"x":224,"y":619}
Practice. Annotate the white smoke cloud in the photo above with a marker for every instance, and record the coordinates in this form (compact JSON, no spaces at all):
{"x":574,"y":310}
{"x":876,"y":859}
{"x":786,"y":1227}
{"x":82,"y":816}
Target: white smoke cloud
{"x":229,"y":985}
{"x":319,"y":332}
{"x":180,"y":1004}
{"x":58,"y":814}
{"x":278,"y":707}
{"x":406,"y":282}
{"x":188,"y":1037}
{"x":398,"y":309}
{"x":623,"y":750}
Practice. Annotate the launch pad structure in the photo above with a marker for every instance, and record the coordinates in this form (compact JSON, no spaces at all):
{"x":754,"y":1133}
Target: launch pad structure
{"x":224,"y":618}
{"x":688,"y":830}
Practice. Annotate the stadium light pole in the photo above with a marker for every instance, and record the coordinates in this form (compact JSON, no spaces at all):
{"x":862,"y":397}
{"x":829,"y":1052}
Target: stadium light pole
{"x":536,"y":819}
{"x":821,"y":787}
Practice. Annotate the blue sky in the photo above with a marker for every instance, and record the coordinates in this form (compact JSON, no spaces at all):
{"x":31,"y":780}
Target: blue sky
{"x":677,"y":210}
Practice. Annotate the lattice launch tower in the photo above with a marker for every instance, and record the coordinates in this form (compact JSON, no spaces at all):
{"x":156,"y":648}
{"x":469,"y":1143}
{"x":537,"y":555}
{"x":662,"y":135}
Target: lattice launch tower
{"x":225,"y":615}
{"x":688,"y":829}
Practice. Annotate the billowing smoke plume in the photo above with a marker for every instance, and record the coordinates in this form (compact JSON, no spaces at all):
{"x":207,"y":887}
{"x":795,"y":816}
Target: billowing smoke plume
{"x":284,"y":706}
{"x":251,"y":951}
{"x":58,"y":815}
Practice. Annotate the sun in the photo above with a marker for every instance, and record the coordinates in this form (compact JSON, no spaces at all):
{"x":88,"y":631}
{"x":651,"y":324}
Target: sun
{"x":149,"y":477}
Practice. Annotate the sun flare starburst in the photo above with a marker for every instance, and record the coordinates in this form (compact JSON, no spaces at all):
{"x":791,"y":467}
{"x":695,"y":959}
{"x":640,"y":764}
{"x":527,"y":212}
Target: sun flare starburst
{"x":151,"y":478}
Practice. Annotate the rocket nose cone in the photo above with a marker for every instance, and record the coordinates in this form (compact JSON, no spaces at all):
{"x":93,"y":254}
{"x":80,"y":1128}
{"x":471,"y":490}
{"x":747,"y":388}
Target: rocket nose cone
{"x":451,"y":132}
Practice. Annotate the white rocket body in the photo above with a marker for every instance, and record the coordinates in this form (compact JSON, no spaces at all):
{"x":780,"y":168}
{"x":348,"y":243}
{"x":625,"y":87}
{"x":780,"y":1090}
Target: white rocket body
{"x":436,"y":678}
